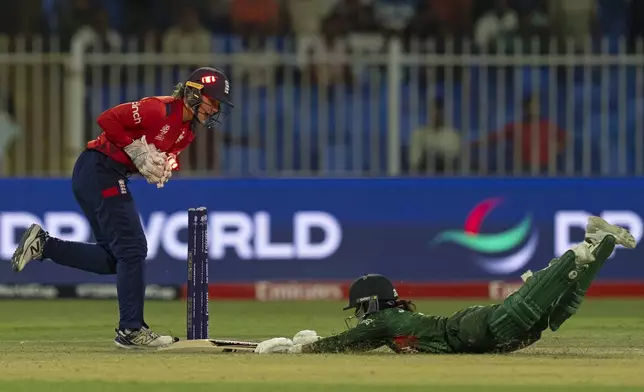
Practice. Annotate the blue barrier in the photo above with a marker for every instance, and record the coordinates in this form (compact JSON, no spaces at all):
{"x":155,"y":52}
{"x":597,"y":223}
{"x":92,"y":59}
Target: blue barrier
{"x":411,"y":229}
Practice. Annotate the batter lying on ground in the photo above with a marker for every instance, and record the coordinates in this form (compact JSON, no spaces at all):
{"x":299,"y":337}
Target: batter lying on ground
{"x":547,"y":299}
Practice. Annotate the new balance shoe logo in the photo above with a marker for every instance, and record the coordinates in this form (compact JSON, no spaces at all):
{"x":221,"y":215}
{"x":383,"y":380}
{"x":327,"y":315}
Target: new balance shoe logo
{"x":35,"y":248}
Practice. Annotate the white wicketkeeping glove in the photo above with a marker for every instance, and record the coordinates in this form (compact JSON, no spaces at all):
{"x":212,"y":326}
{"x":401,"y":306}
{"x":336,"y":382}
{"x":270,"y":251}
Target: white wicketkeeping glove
{"x":148,"y":160}
{"x":306,"y":337}
{"x":275,"y":345}
{"x":170,"y":165}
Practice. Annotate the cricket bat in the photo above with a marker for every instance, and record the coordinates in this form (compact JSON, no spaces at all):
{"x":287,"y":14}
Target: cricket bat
{"x":212,"y":345}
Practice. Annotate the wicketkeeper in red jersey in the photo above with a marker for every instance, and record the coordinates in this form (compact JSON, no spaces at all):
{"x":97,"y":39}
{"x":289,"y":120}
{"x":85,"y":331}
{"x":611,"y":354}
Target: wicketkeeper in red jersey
{"x":143,"y":137}
{"x":546,"y":300}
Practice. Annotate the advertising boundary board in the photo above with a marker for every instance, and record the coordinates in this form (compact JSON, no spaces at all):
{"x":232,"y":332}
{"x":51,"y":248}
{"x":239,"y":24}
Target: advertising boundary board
{"x":414,"y":230}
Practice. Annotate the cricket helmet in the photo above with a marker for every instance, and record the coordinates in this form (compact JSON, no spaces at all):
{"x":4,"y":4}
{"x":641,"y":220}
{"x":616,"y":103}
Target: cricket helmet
{"x":211,"y":83}
{"x":368,"y":292}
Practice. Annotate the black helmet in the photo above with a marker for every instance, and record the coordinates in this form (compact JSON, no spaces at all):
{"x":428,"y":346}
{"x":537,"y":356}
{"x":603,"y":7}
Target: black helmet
{"x":211,"y":83}
{"x":368,"y":292}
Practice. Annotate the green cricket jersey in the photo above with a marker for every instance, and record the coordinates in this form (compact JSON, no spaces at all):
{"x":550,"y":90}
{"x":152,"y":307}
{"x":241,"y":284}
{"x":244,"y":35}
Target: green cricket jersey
{"x":465,"y":331}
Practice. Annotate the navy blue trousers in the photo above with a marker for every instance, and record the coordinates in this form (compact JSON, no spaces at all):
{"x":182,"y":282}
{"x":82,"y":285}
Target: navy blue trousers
{"x":100,"y":187}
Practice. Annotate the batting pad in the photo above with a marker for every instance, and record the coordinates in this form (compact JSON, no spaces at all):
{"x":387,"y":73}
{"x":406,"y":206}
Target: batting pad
{"x":570,"y":301}
{"x":524,"y":308}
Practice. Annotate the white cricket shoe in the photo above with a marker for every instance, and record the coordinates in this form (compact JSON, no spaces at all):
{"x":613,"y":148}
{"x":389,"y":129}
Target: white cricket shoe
{"x":597,"y":229}
{"x":143,"y":338}
{"x":30,"y":247}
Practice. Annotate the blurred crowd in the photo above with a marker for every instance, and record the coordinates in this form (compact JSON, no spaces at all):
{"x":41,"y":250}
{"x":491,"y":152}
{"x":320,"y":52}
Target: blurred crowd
{"x":189,"y":24}
{"x":529,"y":138}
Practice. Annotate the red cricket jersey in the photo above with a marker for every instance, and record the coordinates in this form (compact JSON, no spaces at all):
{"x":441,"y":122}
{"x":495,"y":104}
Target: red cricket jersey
{"x":160,"y":119}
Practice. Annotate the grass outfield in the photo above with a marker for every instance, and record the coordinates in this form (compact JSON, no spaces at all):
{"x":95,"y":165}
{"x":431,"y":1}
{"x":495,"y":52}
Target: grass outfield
{"x":66,"y":346}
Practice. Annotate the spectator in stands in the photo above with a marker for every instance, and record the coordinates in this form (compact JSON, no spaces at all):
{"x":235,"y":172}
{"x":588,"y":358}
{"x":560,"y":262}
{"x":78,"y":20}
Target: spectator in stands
{"x":325,"y":61}
{"x":347,"y":20}
{"x":307,"y":15}
{"x":438,"y":19}
{"x":98,"y":31}
{"x":351,"y":27}
{"x":435,"y":148}
{"x":534,"y":138}
{"x":394,"y":16}
{"x":497,"y":28}
{"x":260,"y":24}
{"x":188,"y":35}
{"x":257,"y":19}
{"x":454,"y":15}
{"x":439,"y":27}
{"x":317,"y":35}
{"x":216,"y":16}
{"x":533,"y":29}
{"x":149,"y":37}
{"x":574,"y":19}
{"x":352,"y":16}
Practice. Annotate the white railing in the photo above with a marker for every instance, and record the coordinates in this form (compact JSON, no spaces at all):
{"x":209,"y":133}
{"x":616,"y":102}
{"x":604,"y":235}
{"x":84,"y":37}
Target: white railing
{"x":33,"y":140}
{"x":348,"y":110}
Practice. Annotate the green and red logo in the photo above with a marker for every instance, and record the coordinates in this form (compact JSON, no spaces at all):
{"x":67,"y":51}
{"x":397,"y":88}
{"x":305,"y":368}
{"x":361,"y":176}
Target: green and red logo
{"x":510,"y":240}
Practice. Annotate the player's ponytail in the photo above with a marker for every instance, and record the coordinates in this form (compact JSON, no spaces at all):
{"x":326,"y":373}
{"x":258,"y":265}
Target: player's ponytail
{"x":179,"y":91}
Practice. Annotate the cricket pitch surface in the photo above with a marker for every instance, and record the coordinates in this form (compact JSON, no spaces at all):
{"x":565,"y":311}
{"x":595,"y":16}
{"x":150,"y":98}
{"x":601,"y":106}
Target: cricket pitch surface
{"x":67,"y":346}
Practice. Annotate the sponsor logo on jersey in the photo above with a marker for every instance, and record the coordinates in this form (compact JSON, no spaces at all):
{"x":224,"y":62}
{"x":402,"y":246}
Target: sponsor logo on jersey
{"x":162,"y":132}
{"x":135,"y":113}
{"x":180,"y":138}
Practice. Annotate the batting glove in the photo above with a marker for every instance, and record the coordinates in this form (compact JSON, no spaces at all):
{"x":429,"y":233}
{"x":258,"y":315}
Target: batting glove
{"x":274,"y":346}
{"x":306,"y":337}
